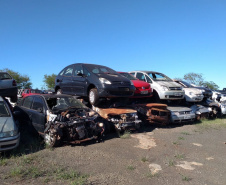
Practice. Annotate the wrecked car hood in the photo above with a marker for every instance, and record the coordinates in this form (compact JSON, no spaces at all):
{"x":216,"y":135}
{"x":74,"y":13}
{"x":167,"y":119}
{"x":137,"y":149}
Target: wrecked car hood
{"x":113,"y":111}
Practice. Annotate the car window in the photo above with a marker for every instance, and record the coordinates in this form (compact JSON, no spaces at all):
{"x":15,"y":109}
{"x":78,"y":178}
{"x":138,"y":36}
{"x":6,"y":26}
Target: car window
{"x":97,"y":69}
{"x":140,"y":76}
{"x":5,"y":76}
{"x":4,"y":111}
{"x":132,"y":74}
{"x":86,"y":72}
{"x":38,"y":103}
{"x":68,"y":71}
{"x":148,"y":79}
{"x":27,"y":102}
{"x":159,"y":77}
{"x":129,"y":76}
{"x":78,"y":69}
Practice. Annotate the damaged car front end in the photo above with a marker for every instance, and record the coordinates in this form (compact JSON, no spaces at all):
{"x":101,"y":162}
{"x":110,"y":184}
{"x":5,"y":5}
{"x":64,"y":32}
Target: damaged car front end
{"x":201,"y":111}
{"x":122,"y":118}
{"x":153,"y":113}
{"x":181,"y":114}
{"x":65,"y":119}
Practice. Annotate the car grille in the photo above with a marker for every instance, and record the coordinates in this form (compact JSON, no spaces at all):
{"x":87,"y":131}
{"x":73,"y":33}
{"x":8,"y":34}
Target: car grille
{"x":184,"y":112}
{"x":121,"y":83}
{"x":175,"y":88}
{"x":171,"y":96}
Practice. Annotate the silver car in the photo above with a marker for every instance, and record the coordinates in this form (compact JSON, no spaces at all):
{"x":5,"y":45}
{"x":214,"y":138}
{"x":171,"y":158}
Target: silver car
{"x":181,"y":114}
{"x":163,"y":87}
{"x":9,"y":133}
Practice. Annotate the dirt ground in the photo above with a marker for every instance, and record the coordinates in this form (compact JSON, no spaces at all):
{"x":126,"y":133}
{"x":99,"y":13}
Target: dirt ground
{"x":183,"y":154}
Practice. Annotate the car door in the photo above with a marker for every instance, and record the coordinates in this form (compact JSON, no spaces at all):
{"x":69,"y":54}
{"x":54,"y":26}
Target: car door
{"x":65,"y":82}
{"x":38,"y":114}
{"x":78,"y":81}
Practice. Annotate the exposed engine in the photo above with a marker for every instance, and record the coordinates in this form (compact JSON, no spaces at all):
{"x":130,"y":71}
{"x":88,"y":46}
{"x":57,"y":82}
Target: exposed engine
{"x":75,"y":125}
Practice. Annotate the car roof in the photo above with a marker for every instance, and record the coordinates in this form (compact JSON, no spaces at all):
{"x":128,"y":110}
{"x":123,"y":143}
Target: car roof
{"x":146,"y":71}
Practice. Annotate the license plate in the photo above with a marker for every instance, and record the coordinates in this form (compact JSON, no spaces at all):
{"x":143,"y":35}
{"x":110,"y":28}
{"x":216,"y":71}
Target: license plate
{"x":187,"y":117}
{"x":177,"y":94}
{"x":144,"y":92}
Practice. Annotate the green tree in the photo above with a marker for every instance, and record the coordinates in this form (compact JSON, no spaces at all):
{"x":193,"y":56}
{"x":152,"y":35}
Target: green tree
{"x":23,"y":81}
{"x":49,"y":81}
{"x":210,"y":85}
{"x":194,"y":78}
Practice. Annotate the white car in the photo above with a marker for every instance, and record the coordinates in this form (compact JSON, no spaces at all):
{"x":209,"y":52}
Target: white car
{"x":191,"y":94}
{"x":9,"y":133}
{"x":163,"y":87}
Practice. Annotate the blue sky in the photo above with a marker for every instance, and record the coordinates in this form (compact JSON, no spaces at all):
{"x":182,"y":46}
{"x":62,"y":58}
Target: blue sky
{"x":175,"y":37}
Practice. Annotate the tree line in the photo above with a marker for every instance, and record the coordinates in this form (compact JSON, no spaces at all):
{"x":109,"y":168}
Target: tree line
{"x":23,"y":81}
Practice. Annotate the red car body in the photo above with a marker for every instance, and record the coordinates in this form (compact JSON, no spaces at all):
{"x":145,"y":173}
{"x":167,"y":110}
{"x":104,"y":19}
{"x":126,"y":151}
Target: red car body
{"x":143,"y":89}
{"x":28,"y":92}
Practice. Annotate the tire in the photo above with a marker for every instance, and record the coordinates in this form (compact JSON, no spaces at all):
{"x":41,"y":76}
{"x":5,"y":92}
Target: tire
{"x":51,"y":139}
{"x":156,"y":97}
{"x":13,"y":99}
{"x":93,"y":97}
{"x":59,"y":91}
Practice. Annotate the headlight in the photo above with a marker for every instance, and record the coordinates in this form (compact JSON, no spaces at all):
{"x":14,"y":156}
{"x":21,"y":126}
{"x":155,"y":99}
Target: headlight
{"x":100,"y":124}
{"x":175,"y":113}
{"x":104,"y":81}
{"x":8,"y":134}
{"x":164,"y":88}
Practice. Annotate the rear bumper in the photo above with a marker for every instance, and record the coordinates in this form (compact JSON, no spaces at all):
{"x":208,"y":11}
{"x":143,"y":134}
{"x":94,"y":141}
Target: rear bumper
{"x":9,"y":92}
{"x":9,"y":143}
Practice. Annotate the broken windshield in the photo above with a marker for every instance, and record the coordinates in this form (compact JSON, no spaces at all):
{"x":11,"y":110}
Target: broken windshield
{"x":62,"y":103}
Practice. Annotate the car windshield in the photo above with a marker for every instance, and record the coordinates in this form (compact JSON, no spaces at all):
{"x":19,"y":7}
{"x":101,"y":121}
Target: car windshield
{"x":5,"y":76}
{"x":159,"y":77}
{"x":100,"y":69}
{"x":186,"y":84}
{"x":4,"y":112}
{"x":60,"y":103}
{"x":129,"y":76}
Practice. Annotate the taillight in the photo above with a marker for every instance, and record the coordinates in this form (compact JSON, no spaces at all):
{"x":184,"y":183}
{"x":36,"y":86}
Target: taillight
{"x":14,"y":83}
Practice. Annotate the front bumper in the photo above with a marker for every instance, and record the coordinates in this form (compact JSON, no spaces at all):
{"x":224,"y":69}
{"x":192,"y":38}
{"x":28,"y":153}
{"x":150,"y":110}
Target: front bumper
{"x":182,"y":118}
{"x":115,"y":91}
{"x":9,"y":143}
{"x":171,"y":95}
{"x":194,"y":98}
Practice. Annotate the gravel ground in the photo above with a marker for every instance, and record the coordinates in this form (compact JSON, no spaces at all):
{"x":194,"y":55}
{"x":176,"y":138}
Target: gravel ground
{"x":186,"y":154}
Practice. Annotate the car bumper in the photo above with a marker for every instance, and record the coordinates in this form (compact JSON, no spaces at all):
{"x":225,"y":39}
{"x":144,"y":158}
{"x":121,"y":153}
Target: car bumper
{"x":172,"y":95}
{"x":182,"y":118}
{"x":9,"y":143}
{"x":194,"y":98}
{"x":8,"y":92}
{"x":116,"y":92}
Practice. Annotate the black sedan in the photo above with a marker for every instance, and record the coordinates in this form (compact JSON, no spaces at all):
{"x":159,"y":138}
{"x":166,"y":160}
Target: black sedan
{"x":61,"y":118}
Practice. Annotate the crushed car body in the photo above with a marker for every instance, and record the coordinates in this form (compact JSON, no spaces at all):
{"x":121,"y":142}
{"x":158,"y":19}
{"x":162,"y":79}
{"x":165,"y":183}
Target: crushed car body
{"x":122,"y":118}
{"x":153,"y":113}
{"x":181,"y":114}
{"x":62,"y":119}
{"x":201,"y":111}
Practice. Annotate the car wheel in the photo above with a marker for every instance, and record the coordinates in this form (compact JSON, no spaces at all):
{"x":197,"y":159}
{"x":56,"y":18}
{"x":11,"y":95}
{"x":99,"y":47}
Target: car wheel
{"x":52,"y":139}
{"x":93,"y":96}
{"x":59,"y":91}
{"x":13,"y":99}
